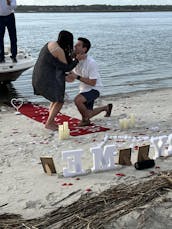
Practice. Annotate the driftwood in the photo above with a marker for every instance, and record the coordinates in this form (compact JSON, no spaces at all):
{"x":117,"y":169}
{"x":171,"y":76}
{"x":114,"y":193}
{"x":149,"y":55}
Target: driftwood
{"x":96,"y":211}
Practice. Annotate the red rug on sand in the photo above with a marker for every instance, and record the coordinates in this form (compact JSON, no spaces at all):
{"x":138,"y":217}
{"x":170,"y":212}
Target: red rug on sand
{"x":40,"y":114}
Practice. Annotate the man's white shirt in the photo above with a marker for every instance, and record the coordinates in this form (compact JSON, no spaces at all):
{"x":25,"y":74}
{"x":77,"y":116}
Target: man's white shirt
{"x":5,"y":9}
{"x":88,"y":68}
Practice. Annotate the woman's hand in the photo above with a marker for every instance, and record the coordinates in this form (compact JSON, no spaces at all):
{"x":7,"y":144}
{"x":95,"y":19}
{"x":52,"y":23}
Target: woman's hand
{"x":80,"y":56}
{"x":70,"y":78}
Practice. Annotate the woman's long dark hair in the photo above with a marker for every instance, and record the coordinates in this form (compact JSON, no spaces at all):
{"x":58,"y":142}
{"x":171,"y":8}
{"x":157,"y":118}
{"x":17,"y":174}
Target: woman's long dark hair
{"x":65,"y":41}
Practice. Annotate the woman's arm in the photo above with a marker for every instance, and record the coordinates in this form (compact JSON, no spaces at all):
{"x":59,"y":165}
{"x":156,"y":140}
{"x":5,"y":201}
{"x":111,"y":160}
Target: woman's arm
{"x":58,"y":53}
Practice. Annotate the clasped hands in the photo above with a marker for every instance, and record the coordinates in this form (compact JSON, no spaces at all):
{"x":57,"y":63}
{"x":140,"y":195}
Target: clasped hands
{"x":70,"y":77}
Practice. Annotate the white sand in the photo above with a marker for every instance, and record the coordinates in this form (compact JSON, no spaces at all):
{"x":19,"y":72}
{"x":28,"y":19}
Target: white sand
{"x":25,"y":189}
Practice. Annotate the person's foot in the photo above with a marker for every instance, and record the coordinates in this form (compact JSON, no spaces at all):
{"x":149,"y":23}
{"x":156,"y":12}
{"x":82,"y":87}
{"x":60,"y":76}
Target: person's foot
{"x":84,"y":123}
{"x":14,"y":60}
{"x":53,"y":127}
{"x":109,"y":110}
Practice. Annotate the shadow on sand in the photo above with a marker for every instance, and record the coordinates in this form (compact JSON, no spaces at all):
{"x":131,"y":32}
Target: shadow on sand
{"x":8,"y":92}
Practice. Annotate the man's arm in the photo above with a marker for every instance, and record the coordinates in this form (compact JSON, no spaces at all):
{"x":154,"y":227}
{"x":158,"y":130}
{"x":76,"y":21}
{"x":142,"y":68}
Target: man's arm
{"x":91,"y":82}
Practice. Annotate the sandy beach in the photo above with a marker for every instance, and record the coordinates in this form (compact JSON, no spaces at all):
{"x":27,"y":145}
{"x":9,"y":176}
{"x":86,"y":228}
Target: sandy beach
{"x":26,"y":190}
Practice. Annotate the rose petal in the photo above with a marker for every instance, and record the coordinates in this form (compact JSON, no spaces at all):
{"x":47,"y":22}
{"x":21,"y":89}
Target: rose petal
{"x":152,"y":172}
{"x":64,"y":184}
{"x":157,"y":167}
{"x":70,"y":184}
{"x":120,"y":174}
{"x":136,"y":147}
{"x":77,"y":178}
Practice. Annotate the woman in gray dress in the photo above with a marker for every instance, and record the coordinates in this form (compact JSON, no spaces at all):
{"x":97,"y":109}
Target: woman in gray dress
{"x":48,"y":79}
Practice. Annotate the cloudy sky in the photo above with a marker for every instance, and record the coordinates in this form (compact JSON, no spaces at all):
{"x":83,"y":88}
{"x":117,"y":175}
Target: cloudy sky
{"x":91,"y":2}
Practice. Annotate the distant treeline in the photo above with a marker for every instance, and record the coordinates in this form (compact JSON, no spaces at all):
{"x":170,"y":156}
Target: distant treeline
{"x":93,"y":8}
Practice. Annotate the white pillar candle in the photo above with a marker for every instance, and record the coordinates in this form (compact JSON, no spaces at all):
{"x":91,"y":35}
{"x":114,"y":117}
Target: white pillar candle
{"x":61,"y":132}
{"x":66,"y":130}
{"x":66,"y":133}
{"x":121,"y":124}
{"x":132,"y":120}
{"x":65,"y":125}
{"x":125,"y":123}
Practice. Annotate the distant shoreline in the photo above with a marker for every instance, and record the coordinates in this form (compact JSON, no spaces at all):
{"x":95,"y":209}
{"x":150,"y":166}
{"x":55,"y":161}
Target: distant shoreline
{"x":91,"y":8}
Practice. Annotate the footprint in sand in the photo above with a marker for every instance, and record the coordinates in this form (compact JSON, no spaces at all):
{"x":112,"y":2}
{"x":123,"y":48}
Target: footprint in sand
{"x":32,"y":204}
{"x":51,"y":197}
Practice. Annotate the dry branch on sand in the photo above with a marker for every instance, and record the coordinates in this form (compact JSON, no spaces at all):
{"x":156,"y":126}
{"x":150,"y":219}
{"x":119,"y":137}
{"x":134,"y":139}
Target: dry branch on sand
{"x":98,"y":210}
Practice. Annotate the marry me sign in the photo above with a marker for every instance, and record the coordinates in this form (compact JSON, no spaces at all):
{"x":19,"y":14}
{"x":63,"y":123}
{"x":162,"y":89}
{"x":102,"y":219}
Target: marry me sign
{"x":103,"y":157}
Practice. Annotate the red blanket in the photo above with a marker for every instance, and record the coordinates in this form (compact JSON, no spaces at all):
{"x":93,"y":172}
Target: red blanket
{"x":40,"y":114}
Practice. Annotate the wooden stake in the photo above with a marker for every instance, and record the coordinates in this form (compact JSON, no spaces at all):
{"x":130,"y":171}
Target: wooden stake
{"x":125,"y":157}
{"x":48,"y":165}
{"x":143,"y":153}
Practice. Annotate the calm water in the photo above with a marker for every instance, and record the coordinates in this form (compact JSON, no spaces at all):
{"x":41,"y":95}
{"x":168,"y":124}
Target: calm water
{"x":133,"y":50}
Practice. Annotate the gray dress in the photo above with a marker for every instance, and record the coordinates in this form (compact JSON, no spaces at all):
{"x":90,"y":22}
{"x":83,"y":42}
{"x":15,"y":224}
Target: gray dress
{"x":48,"y":77}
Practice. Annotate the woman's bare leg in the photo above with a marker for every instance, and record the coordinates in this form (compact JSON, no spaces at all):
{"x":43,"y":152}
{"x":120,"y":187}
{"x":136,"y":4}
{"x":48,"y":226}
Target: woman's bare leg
{"x":54,"y":110}
{"x":51,"y":105}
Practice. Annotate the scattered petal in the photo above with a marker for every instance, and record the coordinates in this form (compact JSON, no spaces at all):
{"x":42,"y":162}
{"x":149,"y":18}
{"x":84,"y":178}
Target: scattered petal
{"x":64,"y":184}
{"x":120,"y":174}
{"x":157,"y":167}
{"x":77,"y":178}
{"x":120,"y":140}
{"x":70,"y":184}
{"x":136,"y":147}
{"x":152,"y":172}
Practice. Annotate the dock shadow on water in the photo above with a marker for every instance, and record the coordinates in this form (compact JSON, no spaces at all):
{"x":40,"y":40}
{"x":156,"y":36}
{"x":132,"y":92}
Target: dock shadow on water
{"x":8,"y":92}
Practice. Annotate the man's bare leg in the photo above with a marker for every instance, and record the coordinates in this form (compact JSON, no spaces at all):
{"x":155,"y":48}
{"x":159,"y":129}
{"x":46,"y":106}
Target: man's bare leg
{"x":54,"y":110}
{"x":79,"y":102}
{"x":87,"y":114}
{"x":97,"y":111}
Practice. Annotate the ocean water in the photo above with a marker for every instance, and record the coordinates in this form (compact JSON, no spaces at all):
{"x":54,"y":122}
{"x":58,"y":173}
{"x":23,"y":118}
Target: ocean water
{"x":133,"y":50}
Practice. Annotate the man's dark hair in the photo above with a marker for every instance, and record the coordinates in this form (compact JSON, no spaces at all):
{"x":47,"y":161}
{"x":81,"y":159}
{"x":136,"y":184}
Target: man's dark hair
{"x":86,"y":43}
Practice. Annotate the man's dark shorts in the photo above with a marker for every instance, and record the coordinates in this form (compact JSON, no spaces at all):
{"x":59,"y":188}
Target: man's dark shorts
{"x":90,"y":96}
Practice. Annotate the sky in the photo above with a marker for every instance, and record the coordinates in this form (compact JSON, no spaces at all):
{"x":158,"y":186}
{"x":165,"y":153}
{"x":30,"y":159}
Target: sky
{"x":91,"y":2}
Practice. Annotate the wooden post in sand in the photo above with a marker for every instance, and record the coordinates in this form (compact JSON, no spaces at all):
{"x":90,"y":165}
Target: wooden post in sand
{"x":143,"y":153}
{"x":48,"y":165}
{"x":143,"y":160}
{"x":125,"y":157}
